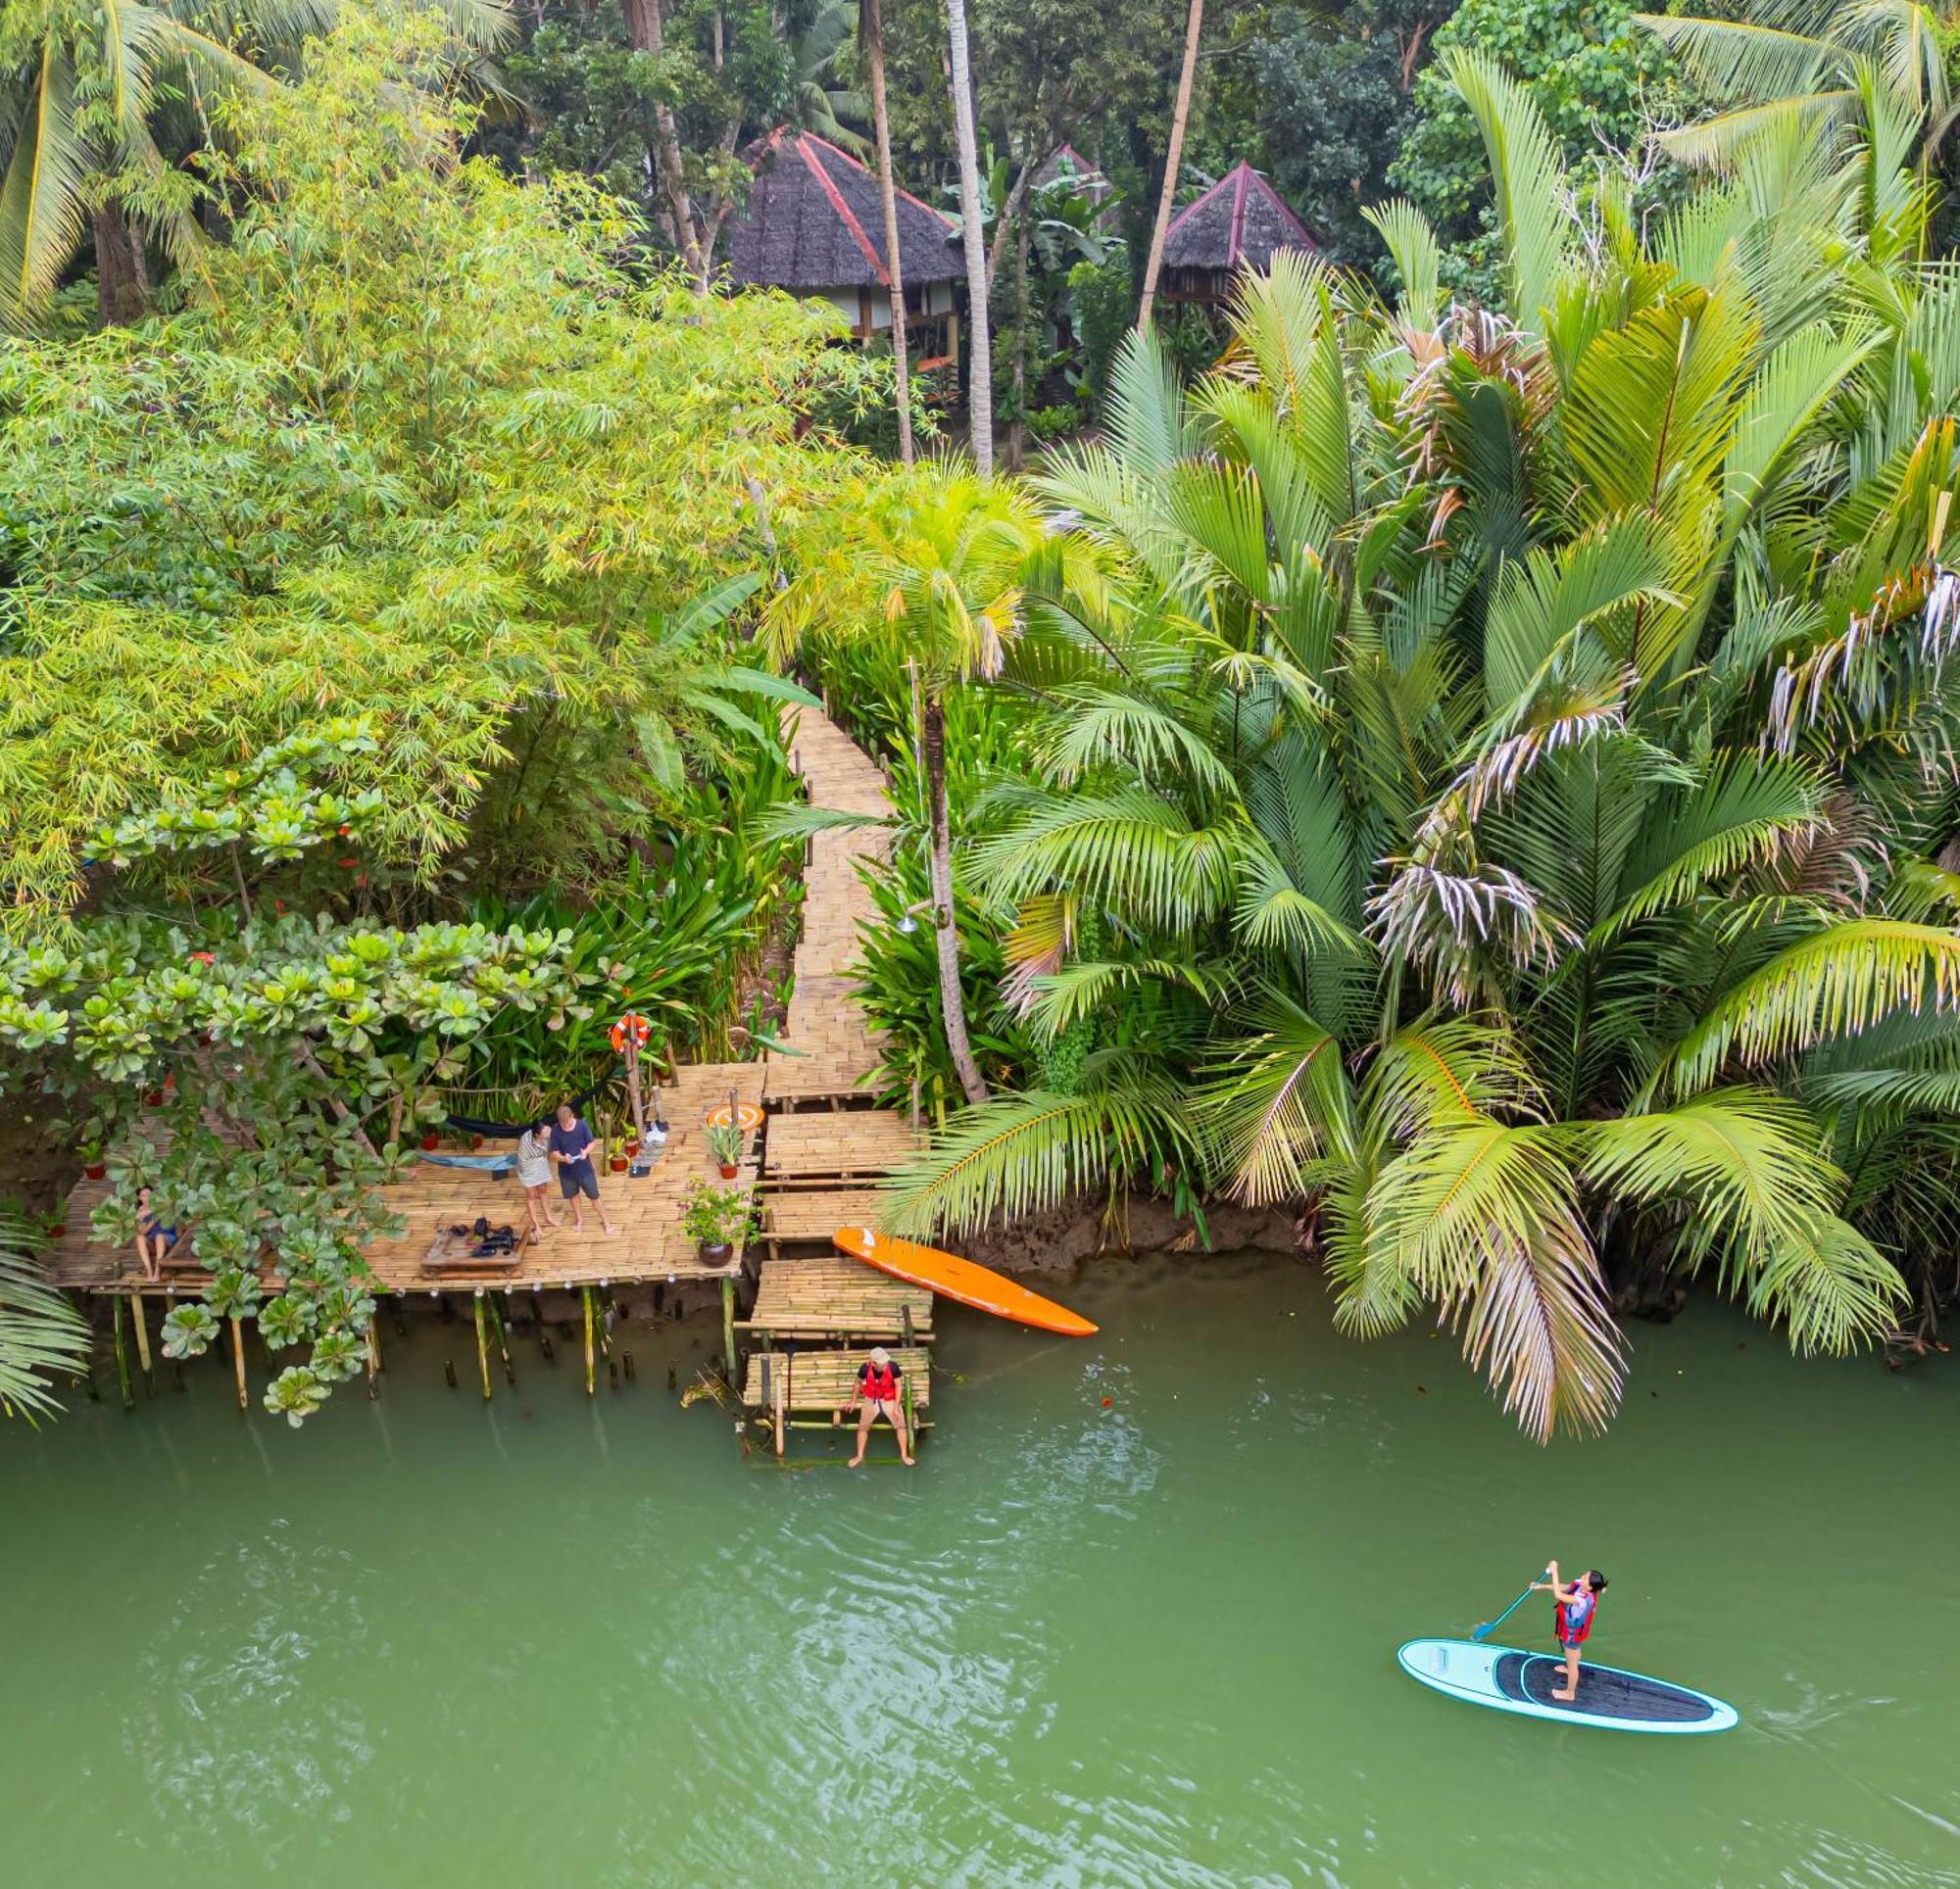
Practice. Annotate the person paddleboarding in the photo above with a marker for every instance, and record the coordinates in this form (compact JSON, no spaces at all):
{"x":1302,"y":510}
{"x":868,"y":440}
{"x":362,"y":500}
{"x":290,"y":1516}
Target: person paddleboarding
{"x":1575,"y":1607}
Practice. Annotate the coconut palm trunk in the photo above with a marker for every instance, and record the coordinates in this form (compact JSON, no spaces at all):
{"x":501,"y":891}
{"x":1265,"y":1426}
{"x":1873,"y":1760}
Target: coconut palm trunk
{"x":1173,"y":162}
{"x":872,"y":32}
{"x":980,"y":373}
{"x":121,"y":268}
{"x":945,"y":934}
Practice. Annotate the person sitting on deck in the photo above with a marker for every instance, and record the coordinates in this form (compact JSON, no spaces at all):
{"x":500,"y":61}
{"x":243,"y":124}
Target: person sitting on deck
{"x":1575,"y":1603}
{"x":572,"y":1142}
{"x":534,"y":1171}
{"x":878,"y":1392}
{"x":153,"y":1238}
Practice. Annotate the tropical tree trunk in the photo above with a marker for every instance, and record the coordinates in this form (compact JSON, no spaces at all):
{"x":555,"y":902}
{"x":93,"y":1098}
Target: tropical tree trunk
{"x":946,"y":934}
{"x":871,"y":33}
{"x":1173,"y":162}
{"x":122,"y":269}
{"x":1017,"y":434}
{"x":648,"y":33}
{"x":980,"y":373}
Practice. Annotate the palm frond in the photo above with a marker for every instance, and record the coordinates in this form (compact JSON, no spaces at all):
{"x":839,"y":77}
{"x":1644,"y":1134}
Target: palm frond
{"x":41,"y":1334}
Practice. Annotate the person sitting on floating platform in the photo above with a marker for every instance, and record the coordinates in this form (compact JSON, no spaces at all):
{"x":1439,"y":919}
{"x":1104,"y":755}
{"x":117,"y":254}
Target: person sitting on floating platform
{"x":153,"y":1238}
{"x":1575,"y":1603}
{"x":571,"y":1143}
{"x":534,"y":1171}
{"x":878,"y":1393}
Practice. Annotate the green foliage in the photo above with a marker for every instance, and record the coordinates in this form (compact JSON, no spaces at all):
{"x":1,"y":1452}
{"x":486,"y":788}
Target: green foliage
{"x":1505,"y":762}
{"x":1592,"y":73}
{"x":41,"y":1334}
{"x":714,"y":1216}
{"x":420,"y":450}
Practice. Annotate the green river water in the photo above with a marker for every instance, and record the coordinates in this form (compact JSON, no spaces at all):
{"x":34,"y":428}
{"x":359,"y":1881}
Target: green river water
{"x":426,"y":1641}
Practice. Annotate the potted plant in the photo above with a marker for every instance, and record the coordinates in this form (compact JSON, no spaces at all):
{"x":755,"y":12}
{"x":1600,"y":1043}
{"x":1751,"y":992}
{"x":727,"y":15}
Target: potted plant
{"x":429,"y":1141}
{"x":727,"y":1144}
{"x":620,"y":1157}
{"x":92,"y":1163}
{"x":717,"y":1219}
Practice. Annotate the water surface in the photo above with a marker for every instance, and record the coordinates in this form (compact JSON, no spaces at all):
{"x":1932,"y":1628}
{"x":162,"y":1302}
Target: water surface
{"x":1144,"y":1641}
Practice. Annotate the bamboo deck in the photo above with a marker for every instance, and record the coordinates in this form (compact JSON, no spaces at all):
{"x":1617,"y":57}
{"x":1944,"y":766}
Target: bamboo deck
{"x":837,"y":1299}
{"x":649,"y":1246}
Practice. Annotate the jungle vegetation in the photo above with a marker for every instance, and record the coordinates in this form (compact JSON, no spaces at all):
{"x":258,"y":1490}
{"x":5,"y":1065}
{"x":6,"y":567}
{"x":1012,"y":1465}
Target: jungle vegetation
{"x":1456,"y":746}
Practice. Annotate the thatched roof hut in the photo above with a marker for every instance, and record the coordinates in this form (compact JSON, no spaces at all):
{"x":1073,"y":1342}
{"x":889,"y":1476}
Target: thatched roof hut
{"x":813,"y":225}
{"x":1240,"y":223}
{"x":1066,"y":162}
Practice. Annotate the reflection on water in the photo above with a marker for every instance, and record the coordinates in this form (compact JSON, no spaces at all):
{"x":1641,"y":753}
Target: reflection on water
{"x":1130,"y":1620}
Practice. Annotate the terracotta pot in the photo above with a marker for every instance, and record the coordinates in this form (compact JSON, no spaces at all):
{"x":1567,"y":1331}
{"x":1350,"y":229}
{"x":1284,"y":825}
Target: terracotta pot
{"x":155,"y":1098}
{"x":97,"y":1170}
{"x":57,"y":1230}
{"x":715,"y":1255}
{"x":632,"y":1148}
{"x":727,"y":1171}
{"x":618,"y":1164}
{"x":428,"y":1143}
{"x":476,"y":1141}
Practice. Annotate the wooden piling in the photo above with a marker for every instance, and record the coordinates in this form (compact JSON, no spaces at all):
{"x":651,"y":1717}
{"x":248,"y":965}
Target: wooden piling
{"x":585,"y":1292}
{"x":482,"y":1344}
{"x":374,"y":1356}
{"x":143,"y":1344}
{"x":729,"y":1328}
{"x":238,"y":1362}
{"x":122,"y":1357}
{"x":503,"y":1335}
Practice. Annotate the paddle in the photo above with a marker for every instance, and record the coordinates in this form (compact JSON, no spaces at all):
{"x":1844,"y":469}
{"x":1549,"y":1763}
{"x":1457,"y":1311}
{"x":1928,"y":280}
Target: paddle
{"x":1489,"y":1627}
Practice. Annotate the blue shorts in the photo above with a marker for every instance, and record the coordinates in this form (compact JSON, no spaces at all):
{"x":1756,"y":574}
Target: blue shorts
{"x":576,"y":1177}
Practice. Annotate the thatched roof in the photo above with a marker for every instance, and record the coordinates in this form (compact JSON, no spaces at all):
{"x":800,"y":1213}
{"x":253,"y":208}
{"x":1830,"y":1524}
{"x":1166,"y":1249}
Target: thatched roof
{"x":1239,"y":223}
{"x":814,"y":222}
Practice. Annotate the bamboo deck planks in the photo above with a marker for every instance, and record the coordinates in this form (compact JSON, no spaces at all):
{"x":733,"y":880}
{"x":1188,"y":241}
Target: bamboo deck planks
{"x":827,"y":1381}
{"x":821,"y":1298}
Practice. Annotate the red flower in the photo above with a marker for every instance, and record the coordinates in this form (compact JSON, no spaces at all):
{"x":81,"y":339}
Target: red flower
{"x":203,"y":957}
{"x":347,"y":865}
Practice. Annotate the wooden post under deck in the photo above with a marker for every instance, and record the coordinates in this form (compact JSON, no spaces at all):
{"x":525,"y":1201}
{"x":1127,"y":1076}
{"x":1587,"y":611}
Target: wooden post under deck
{"x":728,"y":1329}
{"x":585,"y":1292}
{"x":482,"y":1346}
{"x":374,"y":1356}
{"x":143,"y":1342}
{"x":238,"y":1362}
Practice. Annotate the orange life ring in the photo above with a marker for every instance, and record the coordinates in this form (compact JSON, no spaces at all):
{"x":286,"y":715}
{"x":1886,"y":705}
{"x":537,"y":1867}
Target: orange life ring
{"x":640,"y":1028}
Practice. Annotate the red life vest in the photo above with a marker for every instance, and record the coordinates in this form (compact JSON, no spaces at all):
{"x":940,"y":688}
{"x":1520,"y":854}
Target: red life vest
{"x":881,"y":1384}
{"x":1568,"y":1634}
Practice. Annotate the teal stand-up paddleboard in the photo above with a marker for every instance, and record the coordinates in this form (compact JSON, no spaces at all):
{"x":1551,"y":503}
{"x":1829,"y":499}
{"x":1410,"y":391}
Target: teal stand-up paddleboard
{"x":1507,"y":1680}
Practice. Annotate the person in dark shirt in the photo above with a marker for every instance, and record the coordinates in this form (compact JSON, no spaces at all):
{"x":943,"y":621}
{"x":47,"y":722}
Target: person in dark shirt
{"x":879,"y":1381}
{"x":572,"y":1142}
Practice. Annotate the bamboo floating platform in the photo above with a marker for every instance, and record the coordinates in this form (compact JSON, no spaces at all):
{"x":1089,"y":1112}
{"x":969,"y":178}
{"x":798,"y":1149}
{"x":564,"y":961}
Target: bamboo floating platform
{"x":809,"y":1216}
{"x":855,"y":1142}
{"x":825,"y":1383}
{"x":837,"y":1299}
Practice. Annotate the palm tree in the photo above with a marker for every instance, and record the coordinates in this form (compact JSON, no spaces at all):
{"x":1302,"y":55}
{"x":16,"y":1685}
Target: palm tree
{"x":1194,"y":27}
{"x":85,"y":91}
{"x":41,"y":1333}
{"x":821,"y":104}
{"x":942,"y":564}
{"x":973,"y":243}
{"x":1513,"y":770}
{"x":1839,"y":64}
{"x":871,"y":34}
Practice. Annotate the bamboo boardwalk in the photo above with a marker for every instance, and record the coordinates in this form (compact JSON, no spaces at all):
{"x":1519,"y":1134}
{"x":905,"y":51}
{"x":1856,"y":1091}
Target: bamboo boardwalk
{"x":836,"y":1050}
{"x":837,"y":1299}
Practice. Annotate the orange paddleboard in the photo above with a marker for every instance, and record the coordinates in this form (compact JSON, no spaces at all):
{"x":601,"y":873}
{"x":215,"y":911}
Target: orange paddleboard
{"x":959,"y":1278}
